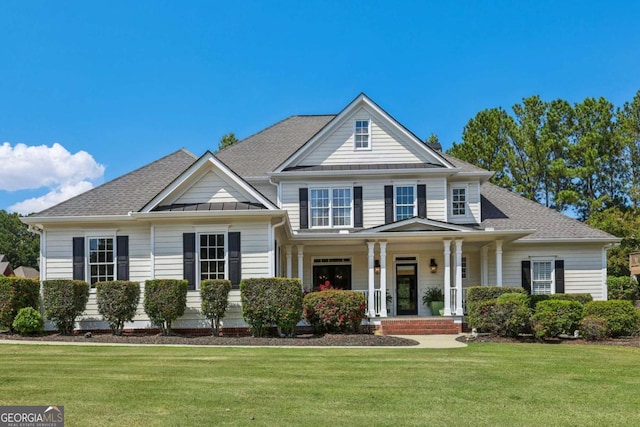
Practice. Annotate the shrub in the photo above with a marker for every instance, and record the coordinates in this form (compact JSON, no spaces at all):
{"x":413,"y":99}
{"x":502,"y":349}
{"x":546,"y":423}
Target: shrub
{"x":508,"y":315}
{"x":17,"y":293}
{"x":164,"y":301}
{"x":555,"y":317}
{"x":117,"y":302}
{"x":581,"y":298}
{"x":334,"y":310}
{"x":485,"y":293}
{"x":480,"y":315}
{"x":432,"y":294}
{"x":64,"y":300}
{"x":621,"y":316}
{"x":215,"y":298}
{"x":28,"y":321}
{"x":271,"y":301}
{"x":593,"y":328}
{"x":624,"y":288}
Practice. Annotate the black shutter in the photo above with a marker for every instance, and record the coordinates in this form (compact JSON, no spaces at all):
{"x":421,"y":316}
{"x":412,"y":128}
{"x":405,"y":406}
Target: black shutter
{"x":422,"y":201}
{"x":388,"y":204}
{"x":304,"y":208}
{"x":78,"y":258}
{"x":357,"y":206}
{"x":235,"y":274}
{"x":526,"y":276}
{"x":122,"y":246}
{"x":189,"y":259}
{"x":559,"y":276}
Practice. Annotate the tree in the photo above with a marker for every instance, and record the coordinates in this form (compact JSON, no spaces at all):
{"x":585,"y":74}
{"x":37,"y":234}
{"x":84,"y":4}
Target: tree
{"x":21,"y":247}
{"x":628,"y":119}
{"x":624,"y":223}
{"x":227,"y":140}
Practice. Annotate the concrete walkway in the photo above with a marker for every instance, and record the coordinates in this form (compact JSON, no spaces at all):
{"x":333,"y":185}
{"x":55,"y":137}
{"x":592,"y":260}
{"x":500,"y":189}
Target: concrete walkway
{"x":425,"y":341}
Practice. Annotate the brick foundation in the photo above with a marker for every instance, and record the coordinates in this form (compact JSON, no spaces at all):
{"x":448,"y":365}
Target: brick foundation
{"x":422,"y":326}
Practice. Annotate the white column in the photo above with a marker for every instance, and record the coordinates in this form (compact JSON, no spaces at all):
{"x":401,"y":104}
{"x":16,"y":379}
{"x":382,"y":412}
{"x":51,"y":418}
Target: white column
{"x":370,"y":303}
{"x":498,"y":262}
{"x":484,"y":266}
{"x":300,"y":249}
{"x":459,"y":310}
{"x":289,"y":274}
{"x":383,"y":279}
{"x":152,"y":253}
{"x":447,"y":277}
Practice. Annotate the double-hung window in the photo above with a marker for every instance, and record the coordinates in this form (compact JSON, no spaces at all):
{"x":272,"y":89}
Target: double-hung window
{"x":362,"y":136}
{"x":101,"y":259}
{"x":542,"y":277}
{"x":405,"y":202}
{"x":459,"y":201}
{"x":463,"y":266}
{"x":212,"y":260}
{"x":330,"y":207}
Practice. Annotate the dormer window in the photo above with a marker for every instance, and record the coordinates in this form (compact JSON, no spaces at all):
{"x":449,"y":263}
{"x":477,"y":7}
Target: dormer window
{"x":362,"y":135}
{"x":459,"y":201}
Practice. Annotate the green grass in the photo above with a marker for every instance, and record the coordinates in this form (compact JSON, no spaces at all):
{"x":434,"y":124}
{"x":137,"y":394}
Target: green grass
{"x":481,"y":385}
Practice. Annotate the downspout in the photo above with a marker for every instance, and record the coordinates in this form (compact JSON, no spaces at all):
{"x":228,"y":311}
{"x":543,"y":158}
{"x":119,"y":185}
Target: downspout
{"x":605,"y":248}
{"x":277,"y":192}
{"x":271,"y":242}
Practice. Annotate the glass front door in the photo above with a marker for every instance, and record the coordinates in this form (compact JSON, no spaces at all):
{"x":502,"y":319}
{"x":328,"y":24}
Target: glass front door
{"x":407,"y":288}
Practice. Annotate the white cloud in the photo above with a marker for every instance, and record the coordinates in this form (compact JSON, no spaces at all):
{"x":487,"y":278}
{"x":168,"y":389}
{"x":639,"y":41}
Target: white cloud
{"x":31,"y":167}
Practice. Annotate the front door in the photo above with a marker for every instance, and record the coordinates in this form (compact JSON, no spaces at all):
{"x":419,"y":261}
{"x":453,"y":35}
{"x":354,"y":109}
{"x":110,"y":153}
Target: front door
{"x":407,"y":288}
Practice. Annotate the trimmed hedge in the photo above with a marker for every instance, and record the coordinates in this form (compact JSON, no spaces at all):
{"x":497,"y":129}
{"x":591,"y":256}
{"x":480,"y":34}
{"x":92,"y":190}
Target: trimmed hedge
{"x":624,"y":288}
{"x":17,"y":293}
{"x":164,"y":301}
{"x":215,"y":298}
{"x":117,"y":302}
{"x":485,"y":293}
{"x":621,"y":317}
{"x":593,"y":328}
{"x":28,"y":321}
{"x":64,"y":300}
{"x":271,"y":301}
{"x":581,"y":298}
{"x":555,"y":317}
{"x":480,"y":314}
{"x":334,"y":311}
{"x":509,"y":315}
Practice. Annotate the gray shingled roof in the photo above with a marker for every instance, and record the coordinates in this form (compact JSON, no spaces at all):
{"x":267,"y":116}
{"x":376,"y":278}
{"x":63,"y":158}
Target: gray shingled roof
{"x":264,"y":151}
{"x":127,"y":193}
{"x":504,"y":210}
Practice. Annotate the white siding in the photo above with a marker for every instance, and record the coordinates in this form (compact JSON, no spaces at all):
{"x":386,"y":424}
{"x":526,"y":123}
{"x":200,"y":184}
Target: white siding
{"x":211,"y":188}
{"x":268,"y":190}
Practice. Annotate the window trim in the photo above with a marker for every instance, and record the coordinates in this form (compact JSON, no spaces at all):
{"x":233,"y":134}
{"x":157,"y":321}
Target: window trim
{"x":552,"y":273}
{"x":330,"y":207}
{"x":87,"y":259}
{"x":208,"y":232}
{"x":395,"y":200}
{"x":464,"y":187}
{"x":355,"y":127}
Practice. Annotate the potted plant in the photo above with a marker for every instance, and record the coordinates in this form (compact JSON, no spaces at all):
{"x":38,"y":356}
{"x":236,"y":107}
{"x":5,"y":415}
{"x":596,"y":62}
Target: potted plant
{"x":434,"y":298}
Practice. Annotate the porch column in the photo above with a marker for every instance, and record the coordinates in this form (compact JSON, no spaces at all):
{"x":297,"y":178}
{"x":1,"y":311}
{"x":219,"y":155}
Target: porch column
{"x":300,"y":249}
{"x":370,"y":302}
{"x":288,"y":248}
{"x":498,"y":262}
{"x":447,"y":277}
{"x":383,"y":279}
{"x":459,"y":310}
{"x":484,"y":266}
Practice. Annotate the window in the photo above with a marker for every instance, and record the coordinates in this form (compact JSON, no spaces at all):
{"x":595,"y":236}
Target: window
{"x":330,"y":207}
{"x":361,"y":141}
{"x":212,"y":256}
{"x":335,"y":272}
{"x":541,"y":277}
{"x":459,"y":201}
{"x":405,"y":201}
{"x":101,"y":259}
{"x":463,"y":266}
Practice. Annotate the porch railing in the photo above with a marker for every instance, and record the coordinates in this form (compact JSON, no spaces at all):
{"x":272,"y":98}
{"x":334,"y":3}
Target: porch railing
{"x":377,"y":300}
{"x":453,"y":301}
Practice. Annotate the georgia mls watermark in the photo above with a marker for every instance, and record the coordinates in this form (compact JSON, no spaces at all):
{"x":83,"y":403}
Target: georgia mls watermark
{"x":31,"y":416}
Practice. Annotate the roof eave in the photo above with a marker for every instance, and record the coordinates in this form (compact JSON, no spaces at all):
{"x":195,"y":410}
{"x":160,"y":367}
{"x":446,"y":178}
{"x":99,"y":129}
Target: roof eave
{"x":363,"y":172}
{"x":547,"y":240}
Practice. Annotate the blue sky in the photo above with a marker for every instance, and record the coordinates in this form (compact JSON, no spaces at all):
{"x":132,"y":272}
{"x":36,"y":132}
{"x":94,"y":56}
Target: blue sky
{"x":119,"y":84}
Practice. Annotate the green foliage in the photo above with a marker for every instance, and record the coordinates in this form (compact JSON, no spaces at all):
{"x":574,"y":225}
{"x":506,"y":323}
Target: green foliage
{"x":508,"y":315}
{"x":514,"y":297}
{"x":64,"y":300}
{"x":625,"y":288}
{"x":164,"y":301}
{"x":117,"y":302}
{"x":271,"y":301}
{"x":227,"y":140}
{"x":432,"y":294}
{"x":21,"y":247}
{"x":555,"y":317}
{"x":28,"y":321}
{"x":593,"y":328}
{"x":581,"y":298}
{"x":334,"y":311}
{"x":215,"y":298}
{"x":623,"y":222}
{"x":484,"y":293}
{"x":17,"y":293}
{"x":621,"y":317}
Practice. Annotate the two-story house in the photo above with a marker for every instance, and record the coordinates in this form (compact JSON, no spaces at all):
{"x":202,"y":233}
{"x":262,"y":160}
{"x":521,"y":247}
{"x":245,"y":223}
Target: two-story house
{"x":353,"y":199}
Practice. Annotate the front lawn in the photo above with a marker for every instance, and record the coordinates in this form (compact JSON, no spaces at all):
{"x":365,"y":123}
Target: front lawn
{"x":482,"y":385}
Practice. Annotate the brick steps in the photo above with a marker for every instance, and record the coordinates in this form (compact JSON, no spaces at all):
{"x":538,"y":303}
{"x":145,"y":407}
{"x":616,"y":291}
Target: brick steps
{"x":424,"y":326}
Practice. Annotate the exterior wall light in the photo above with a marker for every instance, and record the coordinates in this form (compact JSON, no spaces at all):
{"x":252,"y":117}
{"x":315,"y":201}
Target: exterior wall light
{"x":433,"y":266}
{"x":376,"y":266}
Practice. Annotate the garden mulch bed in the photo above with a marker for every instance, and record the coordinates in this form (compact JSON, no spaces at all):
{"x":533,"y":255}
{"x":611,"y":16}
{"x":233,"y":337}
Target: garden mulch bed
{"x":348,"y":340}
{"x":624,"y":341}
